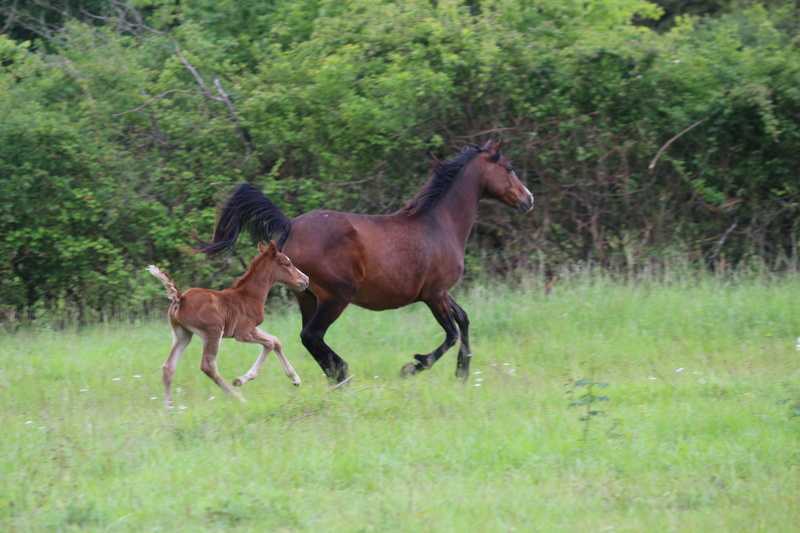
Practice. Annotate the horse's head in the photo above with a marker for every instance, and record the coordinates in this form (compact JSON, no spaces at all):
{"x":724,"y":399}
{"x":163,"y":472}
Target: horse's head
{"x":501,"y":182}
{"x":284,"y":272}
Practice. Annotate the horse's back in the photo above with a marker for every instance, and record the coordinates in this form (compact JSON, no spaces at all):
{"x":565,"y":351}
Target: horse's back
{"x":383,"y":261}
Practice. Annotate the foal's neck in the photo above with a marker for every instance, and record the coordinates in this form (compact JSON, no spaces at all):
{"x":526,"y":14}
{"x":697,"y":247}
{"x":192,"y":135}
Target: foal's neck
{"x":255,"y":282}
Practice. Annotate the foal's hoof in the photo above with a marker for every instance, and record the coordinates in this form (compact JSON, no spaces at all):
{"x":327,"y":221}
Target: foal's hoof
{"x":237,"y":382}
{"x":408,"y":370}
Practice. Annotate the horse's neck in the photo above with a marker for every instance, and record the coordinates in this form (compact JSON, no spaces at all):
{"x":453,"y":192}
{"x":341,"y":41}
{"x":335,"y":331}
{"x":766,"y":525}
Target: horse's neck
{"x":458,"y":208}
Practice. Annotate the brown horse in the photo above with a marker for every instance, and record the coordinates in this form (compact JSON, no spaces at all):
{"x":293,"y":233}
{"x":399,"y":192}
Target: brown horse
{"x":382,"y":261}
{"x":234,"y":312}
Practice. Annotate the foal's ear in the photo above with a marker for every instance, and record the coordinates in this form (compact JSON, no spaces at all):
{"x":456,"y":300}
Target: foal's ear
{"x":272,"y":249}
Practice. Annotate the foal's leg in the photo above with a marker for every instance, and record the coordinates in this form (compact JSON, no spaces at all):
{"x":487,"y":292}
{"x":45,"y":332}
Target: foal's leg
{"x":464,"y":353}
{"x":269,"y":342}
{"x":443,"y":313}
{"x":181,"y":337}
{"x":208,"y":365}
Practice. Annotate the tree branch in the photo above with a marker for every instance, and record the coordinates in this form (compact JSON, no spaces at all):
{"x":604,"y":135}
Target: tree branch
{"x":153,"y":99}
{"x":653,"y":162}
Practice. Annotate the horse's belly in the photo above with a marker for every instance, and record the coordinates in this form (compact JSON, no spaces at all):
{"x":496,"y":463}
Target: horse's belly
{"x":376,"y":299}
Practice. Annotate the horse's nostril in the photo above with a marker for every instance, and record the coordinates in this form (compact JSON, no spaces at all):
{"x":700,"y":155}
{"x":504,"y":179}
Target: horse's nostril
{"x":526,"y":205}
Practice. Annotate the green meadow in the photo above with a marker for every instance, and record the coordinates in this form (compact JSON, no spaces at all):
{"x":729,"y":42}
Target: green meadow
{"x":599,"y":406}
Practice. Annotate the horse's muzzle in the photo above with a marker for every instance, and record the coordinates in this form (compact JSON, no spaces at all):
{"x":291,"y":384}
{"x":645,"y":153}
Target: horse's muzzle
{"x":526,"y":205}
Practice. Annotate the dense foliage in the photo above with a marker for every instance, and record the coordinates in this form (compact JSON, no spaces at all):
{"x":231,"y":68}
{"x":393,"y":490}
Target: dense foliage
{"x":643,"y":131}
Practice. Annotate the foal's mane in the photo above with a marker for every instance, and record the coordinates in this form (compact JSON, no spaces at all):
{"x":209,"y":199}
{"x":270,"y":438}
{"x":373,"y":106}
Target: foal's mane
{"x":242,"y":280}
{"x":441,"y":178}
{"x":254,"y":264}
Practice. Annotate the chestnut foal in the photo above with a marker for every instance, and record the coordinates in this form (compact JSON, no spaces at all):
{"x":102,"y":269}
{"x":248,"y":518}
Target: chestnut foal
{"x":234,"y":312}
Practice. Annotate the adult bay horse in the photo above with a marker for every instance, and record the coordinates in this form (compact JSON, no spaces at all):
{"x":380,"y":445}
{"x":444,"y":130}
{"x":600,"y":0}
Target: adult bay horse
{"x":382,"y":261}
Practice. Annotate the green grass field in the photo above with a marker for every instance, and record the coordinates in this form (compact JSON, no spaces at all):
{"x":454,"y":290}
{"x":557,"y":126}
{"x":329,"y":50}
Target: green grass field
{"x":695,"y":430}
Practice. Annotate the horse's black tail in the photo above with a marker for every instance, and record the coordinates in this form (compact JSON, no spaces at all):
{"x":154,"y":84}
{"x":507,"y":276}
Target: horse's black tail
{"x":246,"y":209}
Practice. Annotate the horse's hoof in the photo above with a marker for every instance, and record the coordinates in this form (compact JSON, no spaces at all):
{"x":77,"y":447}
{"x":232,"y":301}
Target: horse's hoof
{"x":237,"y":382}
{"x":408,"y":370}
{"x":297,"y":384}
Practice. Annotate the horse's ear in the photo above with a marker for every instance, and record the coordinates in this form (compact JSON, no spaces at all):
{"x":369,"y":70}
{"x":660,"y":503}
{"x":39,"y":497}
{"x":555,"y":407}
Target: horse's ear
{"x":261,"y":247}
{"x":273,"y":248}
{"x":488,"y":145}
{"x":497,"y":145}
{"x":494,"y":150}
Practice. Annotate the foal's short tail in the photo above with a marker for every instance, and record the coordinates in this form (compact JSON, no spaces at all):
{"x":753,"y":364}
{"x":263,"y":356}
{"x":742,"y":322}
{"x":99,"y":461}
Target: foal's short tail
{"x":172,"y":290}
{"x":247,"y":209}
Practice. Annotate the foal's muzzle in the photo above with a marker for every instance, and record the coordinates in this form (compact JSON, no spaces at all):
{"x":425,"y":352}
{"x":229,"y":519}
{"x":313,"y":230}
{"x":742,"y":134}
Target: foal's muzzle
{"x":303,"y":285}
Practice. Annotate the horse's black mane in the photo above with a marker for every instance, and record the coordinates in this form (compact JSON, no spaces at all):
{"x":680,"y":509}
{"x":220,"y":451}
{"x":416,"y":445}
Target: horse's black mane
{"x":442,"y":177}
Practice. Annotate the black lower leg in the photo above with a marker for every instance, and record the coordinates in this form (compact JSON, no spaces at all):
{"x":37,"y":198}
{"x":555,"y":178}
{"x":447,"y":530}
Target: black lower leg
{"x":464,"y":352}
{"x":313,"y":339}
{"x":441,"y":311}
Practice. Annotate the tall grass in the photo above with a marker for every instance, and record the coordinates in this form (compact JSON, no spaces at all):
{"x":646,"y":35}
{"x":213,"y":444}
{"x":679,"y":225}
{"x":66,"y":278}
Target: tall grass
{"x":697,"y":432}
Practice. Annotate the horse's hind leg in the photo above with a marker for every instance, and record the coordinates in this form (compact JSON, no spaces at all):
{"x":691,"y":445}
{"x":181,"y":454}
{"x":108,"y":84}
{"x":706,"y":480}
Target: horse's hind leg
{"x":269,"y":343}
{"x":464,"y":352}
{"x":208,"y":365}
{"x":443,"y":313}
{"x":181,"y":337}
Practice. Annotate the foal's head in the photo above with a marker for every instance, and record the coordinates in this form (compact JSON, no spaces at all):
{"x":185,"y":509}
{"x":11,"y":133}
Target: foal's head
{"x":501,"y":182}
{"x":283,"y":271}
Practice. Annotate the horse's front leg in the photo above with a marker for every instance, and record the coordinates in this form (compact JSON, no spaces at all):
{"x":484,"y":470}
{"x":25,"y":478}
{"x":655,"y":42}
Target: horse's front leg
{"x":313,"y":335}
{"x":464,"y":352}
{"x":211,"y":341}
{"x":443,"y":313}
